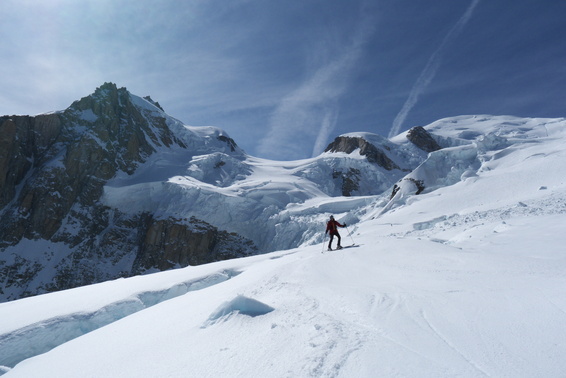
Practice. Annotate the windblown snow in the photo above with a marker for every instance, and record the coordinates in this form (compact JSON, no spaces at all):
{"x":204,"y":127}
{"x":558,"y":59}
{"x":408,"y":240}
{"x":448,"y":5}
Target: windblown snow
{"x":466,"y":279}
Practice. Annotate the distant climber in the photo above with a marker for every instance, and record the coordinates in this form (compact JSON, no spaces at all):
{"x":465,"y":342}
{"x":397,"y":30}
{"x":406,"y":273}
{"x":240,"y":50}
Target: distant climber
{"x":332,"y":228}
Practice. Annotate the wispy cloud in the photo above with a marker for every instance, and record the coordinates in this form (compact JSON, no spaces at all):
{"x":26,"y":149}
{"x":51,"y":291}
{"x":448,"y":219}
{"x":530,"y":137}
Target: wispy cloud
{"x":326,"y":128}
{"x":310,"y":111}
{"x":300,"y":114}
{"x":60,"y":50}
{"x":430,"y":70}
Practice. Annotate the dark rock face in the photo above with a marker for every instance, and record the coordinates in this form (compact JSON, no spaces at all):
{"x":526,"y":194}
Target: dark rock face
{"x":371,"y":152}
{"x":229,"y":141}
{"x":140,"y":244}
{"x":349,"y":180}
{"x":148,"y":98}
{"x":419,"y":186}
{"x":53,"y":169}
{"x":422,"y":139}
{"x":66,"y":160}
{"x":24,"y":142}
{"x":170,"y":243}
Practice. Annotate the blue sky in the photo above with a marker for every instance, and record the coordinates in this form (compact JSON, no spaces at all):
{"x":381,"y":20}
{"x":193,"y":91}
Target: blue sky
{"x":284,"y":78}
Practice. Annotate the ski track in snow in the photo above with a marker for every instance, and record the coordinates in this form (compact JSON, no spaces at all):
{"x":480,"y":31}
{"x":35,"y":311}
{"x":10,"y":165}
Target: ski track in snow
{"x":450,"y":345}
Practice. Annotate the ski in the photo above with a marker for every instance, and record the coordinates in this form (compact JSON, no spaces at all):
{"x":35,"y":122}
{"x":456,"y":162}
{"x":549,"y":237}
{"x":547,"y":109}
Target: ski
{"x":343,"y":247}
{"x":351,"y":246}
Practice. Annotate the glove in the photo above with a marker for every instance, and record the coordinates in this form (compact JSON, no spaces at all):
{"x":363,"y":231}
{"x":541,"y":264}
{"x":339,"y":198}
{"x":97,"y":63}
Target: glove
{"x":345,"y":224}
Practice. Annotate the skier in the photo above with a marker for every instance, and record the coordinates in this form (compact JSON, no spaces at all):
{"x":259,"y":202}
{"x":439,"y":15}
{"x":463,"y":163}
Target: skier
{"x":332,"y":227}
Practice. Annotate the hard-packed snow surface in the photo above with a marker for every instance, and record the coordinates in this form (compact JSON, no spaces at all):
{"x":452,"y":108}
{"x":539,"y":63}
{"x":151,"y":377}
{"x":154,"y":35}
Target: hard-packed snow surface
{"x":466,"y":279}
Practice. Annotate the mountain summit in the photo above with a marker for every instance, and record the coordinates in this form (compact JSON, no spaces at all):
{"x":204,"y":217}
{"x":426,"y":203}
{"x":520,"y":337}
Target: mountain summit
{"x":55,"y":230}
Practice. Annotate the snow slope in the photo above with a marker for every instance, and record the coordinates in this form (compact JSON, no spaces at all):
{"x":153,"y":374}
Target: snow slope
{"x":466,"y":279}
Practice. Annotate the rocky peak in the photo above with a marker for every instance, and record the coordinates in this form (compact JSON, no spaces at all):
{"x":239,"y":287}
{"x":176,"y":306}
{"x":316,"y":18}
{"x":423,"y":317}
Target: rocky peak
{"x":148,"y":98}
{"x":50,"y":164}
{"x":111,"y":117}
{"x":53,"y":170}
{"x":422,"y":139}
{"x":107,"y":102}
{"x":373,"y":154}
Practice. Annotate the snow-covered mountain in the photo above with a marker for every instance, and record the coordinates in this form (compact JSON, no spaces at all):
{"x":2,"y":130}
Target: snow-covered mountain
{"x":464,"y":279}
{"x":114,"y":187}
{"x":56,"y":230}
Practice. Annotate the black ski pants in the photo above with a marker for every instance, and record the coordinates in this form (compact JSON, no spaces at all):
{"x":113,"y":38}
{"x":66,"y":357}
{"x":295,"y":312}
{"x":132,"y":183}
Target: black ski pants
{"x":332,"y":238}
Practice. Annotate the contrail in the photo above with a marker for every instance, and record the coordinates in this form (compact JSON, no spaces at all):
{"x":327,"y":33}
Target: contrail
{"x":326,"y":128}
{"x":430,"y":70}
{"x":311,"y":110}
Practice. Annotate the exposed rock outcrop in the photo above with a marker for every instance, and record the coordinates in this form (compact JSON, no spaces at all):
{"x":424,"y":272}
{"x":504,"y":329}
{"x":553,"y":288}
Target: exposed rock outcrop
{"x":372,"y":153}
{"x":24,"y":142}
{"x":349,"y":180}
{"x":419,"y":186}
{"x":170,"y":243}
{"x":128,"y":245}
{"x":422,"y":139}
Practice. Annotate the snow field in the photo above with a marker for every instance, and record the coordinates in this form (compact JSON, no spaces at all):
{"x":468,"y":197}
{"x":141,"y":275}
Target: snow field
{"x":390,"y":307}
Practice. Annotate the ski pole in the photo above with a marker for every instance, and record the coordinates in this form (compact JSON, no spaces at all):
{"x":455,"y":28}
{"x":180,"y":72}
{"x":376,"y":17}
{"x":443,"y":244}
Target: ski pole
{"x":323,"y":242}
{"x":349,"y":233}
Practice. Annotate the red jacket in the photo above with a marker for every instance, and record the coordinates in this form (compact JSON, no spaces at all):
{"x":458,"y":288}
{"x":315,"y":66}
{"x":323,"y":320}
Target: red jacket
{"x":332,"y":227}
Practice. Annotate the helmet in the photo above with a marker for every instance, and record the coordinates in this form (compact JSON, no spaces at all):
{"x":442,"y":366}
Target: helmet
{"x":332,"y":217}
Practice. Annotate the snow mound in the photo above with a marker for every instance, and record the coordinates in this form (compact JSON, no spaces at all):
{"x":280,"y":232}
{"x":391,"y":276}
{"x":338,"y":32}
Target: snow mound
{"x":240,"y":305}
